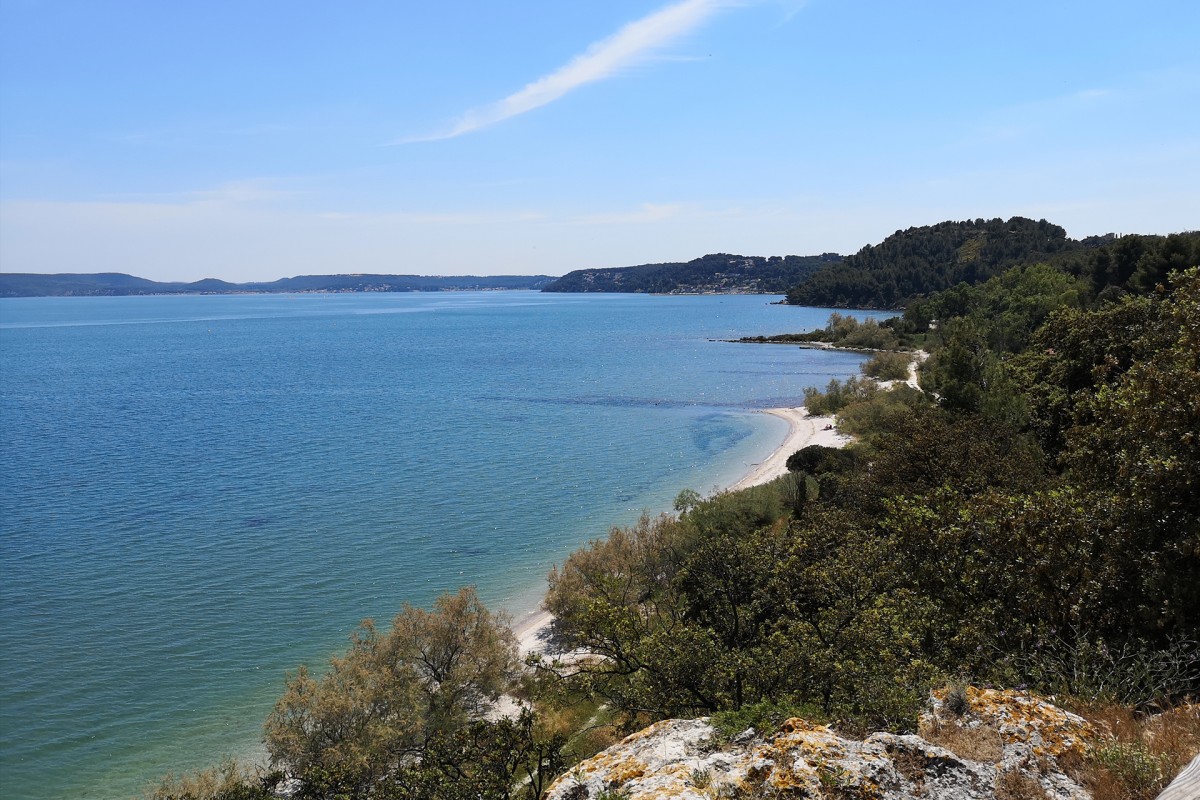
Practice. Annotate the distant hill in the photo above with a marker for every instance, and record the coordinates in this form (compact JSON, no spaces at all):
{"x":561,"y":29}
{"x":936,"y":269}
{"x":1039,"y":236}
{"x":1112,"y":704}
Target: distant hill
{"x":17,"y":284}
{"x":920,"y":261}
{"x":719,"y":272}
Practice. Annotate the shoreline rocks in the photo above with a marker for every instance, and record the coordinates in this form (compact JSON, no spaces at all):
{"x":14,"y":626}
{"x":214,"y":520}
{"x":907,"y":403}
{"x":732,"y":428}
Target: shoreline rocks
{"x":999,"y":744}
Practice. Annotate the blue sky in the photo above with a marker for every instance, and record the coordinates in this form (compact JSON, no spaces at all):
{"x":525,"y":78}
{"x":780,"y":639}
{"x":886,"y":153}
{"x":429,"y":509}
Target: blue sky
{"x":255,"y":140}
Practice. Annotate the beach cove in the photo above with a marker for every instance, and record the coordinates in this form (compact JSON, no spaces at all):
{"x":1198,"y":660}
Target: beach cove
{"x":202,"y":493}
{"x":803,"y":430}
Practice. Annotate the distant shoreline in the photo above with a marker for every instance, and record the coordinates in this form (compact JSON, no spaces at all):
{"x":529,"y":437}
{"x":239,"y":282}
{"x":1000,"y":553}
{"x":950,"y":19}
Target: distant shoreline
{"x":117,"y":284}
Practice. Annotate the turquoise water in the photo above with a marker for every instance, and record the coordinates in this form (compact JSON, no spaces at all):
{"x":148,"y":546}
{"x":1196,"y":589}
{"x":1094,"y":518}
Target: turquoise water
{"x":199,"y":493}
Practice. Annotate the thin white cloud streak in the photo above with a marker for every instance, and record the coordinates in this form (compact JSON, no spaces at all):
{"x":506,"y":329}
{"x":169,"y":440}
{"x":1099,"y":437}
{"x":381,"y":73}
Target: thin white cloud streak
{"x":629,"y":46}
{"x":648,"y":212}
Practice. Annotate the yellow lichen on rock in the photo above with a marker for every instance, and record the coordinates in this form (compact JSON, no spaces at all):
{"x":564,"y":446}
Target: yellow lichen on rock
{"x":687,"y":760}
{"x":1018,"y":717}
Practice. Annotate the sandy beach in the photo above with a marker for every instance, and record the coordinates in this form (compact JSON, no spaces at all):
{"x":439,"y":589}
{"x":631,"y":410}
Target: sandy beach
{"x":803,"y":430}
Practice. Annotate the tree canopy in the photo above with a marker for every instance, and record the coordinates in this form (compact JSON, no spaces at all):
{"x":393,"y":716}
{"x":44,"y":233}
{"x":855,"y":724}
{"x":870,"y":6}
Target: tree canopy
{"x":917,"y":262}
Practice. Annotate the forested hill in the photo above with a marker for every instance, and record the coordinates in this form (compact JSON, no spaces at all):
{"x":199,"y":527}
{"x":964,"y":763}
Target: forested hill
{"x":718,"y":272}
{"x":115,"y":283}
{"x":920,"y":261}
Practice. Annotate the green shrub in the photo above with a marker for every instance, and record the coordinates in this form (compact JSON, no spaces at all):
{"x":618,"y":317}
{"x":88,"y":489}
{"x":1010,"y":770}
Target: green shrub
{"x":764,"y":717}
{"x":844,"y":331}
{"x":887,"y":366}
{"x":817,"y":459}
{"x":837,"y":395}
{"x":1134,"y":673}
{"x":229,"y":781}
{"x":1137,"y":770}
{"x":431,"y":674}
{"x":881,"y":410}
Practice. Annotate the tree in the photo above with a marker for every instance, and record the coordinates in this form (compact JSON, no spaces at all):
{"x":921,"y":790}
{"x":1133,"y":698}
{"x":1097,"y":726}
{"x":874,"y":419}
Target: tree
{"x":380,"y":704}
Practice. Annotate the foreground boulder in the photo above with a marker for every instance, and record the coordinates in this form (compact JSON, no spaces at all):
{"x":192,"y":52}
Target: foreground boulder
{"x":973,"y":744}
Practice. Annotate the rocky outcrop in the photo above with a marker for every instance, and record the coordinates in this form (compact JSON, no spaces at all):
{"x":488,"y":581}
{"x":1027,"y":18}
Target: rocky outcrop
{"x":972,"y":744}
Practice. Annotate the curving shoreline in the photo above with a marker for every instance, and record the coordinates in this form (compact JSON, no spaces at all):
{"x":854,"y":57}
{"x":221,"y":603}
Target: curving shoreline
{"x":803,"y":430}
{"x":533,"y":629}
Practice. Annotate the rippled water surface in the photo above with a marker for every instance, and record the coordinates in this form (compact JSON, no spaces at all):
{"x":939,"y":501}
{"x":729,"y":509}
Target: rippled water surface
{"x":199,"y":493}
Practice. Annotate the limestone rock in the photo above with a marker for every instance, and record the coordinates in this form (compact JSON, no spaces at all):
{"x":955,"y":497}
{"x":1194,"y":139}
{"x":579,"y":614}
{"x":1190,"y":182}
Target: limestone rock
{"x":1000,"y":744}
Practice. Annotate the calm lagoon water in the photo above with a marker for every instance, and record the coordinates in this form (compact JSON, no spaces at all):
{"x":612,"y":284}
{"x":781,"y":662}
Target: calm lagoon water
{"x":200,"y":493}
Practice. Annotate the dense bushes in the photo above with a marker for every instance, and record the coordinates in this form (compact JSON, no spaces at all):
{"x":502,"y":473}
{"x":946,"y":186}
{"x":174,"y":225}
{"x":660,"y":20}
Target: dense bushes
{"x":843,"y":331}
{"x":383,"y":701}
{"x":887,"y":366}
{"x":402,"y":716}
{"x":947,"y":541}
{"x":921,"y":261}
{"x":838,"y":395}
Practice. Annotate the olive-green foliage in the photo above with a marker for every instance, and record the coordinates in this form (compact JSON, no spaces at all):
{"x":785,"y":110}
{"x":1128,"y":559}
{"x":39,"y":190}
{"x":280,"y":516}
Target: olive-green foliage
{"x":485,"y":760}
{"x":1071,"y":356}
{"x":764,"y":717}
{"x":1143,"y":429}
{"x":722,"y":608}
{"x":838,"y":394}
{"x":843,"y":330}
{"x":946,"y":543}
{"x":383,"y":701}
{"x":979,"y":326}
{"x":1011,"y":570}
{"x":228,"y":781}
{"x":1137,"y":771}
{"x":817,"y":459}
{"x":918,"y":262}
{"x":502,"y":759}
{"x":1007,"y":308}
{"x":1133,"y":263}
{"x":926,"y":448}
{"x":881,"y":410}
{"x":869,"y":334}
{"x":887,"y":366}
{"x":968,"y":376}
{"x":627,"y":598}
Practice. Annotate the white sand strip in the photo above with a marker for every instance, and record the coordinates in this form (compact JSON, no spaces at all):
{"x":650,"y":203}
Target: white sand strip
{"x":531,"y":632}
{"x":803,"y":430}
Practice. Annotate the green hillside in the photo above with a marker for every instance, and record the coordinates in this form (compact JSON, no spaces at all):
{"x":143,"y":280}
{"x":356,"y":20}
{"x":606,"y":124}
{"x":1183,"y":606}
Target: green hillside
{"x":718,"y":272}
{"x":920,"y":261}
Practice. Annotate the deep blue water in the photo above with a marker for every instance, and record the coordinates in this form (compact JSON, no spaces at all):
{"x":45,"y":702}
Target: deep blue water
{"x":199,"y":493}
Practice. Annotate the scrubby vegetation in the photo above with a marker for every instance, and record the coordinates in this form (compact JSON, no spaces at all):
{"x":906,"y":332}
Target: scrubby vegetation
{"x":1031,"y":519}
{"x":887,"y":366}
{"x":843,"y":330}
{"x":921,"y":261}
{"x":838,"y":395}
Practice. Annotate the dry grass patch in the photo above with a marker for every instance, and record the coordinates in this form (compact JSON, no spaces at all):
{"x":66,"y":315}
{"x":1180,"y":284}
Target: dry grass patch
{"x":1175,"y":736}
{"x":1014,"y":785}
{"x":1142,"y":753}
{"x":911,"y":766}
{"x":978,"y":743}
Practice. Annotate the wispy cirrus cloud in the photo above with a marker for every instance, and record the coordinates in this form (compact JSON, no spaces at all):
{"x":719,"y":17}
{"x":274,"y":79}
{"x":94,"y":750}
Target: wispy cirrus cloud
{"x":632,"y":44}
